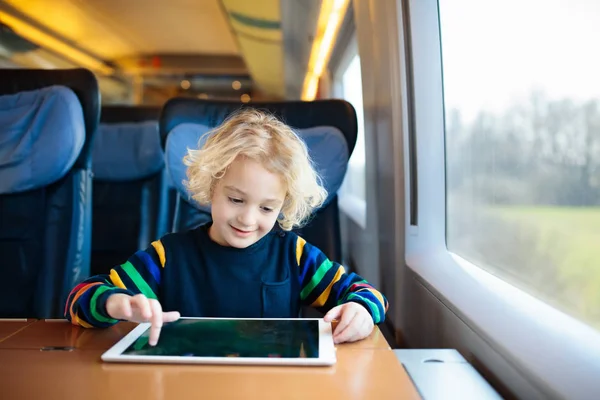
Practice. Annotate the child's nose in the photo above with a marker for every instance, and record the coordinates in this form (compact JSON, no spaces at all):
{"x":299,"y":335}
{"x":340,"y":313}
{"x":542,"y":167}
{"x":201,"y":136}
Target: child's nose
{"x":247,"y":218}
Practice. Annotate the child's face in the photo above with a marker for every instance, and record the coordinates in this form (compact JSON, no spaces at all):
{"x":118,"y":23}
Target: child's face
{"x":245,"y":204}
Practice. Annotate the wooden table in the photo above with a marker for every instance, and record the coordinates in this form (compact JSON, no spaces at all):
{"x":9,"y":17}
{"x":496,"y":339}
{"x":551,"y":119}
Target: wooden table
{"x":364,"y":370}
{"x":61,"y":333}
{"x":9,"y":327}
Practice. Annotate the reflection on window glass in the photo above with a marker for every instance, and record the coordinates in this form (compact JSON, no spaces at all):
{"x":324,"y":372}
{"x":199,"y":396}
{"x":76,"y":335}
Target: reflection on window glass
{"x":522,"y":104}
{"x":354,"y":183}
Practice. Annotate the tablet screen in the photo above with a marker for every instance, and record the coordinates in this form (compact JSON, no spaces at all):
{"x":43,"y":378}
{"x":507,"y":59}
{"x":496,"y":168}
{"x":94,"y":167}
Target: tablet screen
{"x":233,"y":338}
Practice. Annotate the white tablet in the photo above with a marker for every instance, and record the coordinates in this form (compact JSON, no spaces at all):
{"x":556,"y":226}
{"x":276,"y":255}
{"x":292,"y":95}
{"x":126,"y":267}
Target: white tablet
{"x":269,"y":341}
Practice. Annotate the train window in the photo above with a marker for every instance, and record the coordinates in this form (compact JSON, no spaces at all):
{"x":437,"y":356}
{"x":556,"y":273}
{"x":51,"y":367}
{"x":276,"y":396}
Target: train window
{"x":352,"y":92}
{"x":522,"y":117}
{"x":348,"y":85}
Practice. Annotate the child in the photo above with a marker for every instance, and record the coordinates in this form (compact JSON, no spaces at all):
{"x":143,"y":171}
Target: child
{"x":254,"y":171}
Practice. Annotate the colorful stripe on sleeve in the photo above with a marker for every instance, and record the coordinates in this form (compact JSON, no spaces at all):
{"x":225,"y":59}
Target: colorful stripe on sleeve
{"x":141,"y":273}
{"x":325,"y":284}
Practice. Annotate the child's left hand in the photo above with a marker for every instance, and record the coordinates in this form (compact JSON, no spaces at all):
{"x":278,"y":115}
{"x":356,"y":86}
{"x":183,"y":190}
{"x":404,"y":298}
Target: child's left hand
{"x":355,"y":322}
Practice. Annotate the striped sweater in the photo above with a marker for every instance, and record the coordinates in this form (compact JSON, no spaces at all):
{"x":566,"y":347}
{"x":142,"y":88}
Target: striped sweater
{"x":189,"y":273}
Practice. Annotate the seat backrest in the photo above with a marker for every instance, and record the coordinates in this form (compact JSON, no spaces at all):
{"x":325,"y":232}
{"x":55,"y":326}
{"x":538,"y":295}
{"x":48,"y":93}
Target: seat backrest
{"x":128,"y":166}
{"x":47,"y":122}
{"x":328,"y":127}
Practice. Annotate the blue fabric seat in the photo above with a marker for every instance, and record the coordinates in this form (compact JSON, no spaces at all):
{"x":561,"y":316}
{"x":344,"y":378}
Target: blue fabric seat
{"x":47,"y":122}
{"x":328,"y":127}
{"x":129,"y":207}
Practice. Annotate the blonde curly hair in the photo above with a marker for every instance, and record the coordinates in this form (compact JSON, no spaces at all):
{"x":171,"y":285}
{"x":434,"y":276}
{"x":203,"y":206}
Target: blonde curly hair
{"x":260,"y":137}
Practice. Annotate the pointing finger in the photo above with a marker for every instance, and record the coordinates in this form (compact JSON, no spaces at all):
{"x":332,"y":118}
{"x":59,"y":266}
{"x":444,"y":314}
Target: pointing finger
{"x":157,"y":322}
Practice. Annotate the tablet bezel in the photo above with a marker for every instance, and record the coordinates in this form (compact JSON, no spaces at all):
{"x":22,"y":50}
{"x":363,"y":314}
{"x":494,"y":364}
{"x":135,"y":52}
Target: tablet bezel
{"x":326,"y":349}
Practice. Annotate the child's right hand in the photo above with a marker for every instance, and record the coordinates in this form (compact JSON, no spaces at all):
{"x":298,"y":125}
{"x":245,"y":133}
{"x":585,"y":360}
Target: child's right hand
{"x":139,"y":308}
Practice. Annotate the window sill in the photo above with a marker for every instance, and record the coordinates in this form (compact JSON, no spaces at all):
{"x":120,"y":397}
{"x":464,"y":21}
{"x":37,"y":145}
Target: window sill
{"x":555,"y":352}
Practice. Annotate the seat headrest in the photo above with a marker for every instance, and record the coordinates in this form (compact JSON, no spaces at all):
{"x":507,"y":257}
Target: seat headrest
{"x":42,"y":134}
{"x":127,"y":151}
{"x":297,"y":114}
{"x":326,"y":145}
{"x":183,"y":137}
{"x":81,"y":81}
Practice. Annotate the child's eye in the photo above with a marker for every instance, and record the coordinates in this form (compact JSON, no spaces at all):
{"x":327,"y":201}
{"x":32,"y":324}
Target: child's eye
{"x":267,"y":209}
{"x":235,"y":201}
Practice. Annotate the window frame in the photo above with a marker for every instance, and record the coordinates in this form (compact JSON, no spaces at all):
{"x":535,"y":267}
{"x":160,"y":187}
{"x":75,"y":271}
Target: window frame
{"x":557,"y":354}
{"x":353,"y":206}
